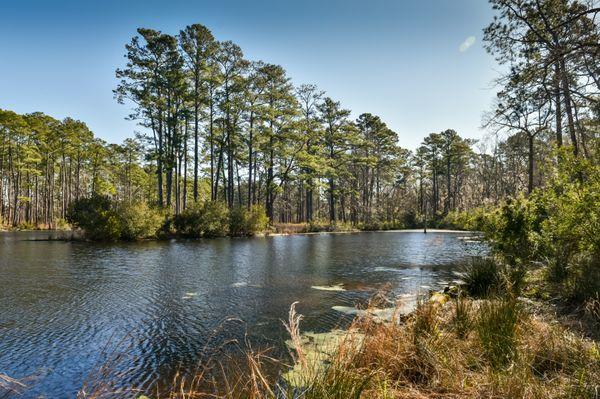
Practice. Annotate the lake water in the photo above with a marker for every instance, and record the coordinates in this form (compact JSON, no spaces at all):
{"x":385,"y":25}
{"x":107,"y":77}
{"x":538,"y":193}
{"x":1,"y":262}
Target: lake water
{"x":66,"y":307}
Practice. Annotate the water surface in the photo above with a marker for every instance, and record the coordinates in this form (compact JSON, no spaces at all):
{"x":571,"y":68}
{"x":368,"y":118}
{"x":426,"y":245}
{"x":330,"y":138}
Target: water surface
{"x":65,"y":305}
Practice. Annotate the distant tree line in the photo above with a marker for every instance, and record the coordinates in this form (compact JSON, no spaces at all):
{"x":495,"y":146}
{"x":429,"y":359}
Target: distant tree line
{"x":220,"y":128}
{"x":46,"y":164}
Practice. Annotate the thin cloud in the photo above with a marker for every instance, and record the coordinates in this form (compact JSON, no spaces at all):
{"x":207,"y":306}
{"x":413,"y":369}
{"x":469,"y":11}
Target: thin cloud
{"x":464,"y":46}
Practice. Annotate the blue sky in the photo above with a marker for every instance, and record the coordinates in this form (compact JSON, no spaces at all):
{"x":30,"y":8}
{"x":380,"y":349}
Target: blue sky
{"x":420,"y":65}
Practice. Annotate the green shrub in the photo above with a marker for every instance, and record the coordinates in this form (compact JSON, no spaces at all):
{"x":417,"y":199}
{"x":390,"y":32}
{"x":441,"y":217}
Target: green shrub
{"x":258,"y":221}
{"x":138,"y":220}
{"x":215,"y":219}
{"x":583,"y":281}
{"x":97,"y":217}
{"x":571,"y":234}
{"x":497,"y":330}
{"x":475,"y":219}
{"x":243,"y":222}
{"x":238,"y":218}
{"x":210,"y":219}
{"x":512,"y":229}
{"x":189,"y":223}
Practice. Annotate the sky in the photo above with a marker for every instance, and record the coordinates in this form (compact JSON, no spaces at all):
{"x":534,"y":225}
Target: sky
{"x":419,"y":65}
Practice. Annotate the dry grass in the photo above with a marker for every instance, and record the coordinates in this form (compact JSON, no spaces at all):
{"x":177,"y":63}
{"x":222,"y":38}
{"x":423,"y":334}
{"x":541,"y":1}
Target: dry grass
{"x":10,"y":386}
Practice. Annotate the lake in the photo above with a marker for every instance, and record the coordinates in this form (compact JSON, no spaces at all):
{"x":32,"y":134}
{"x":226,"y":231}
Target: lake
{"x":68,"y":306}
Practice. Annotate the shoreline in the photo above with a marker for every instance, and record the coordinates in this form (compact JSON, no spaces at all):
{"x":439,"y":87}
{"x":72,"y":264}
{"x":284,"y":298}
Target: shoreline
{"x":75,"y":235}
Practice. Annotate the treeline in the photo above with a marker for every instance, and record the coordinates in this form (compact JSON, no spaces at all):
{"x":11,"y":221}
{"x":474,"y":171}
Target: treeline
{"x":221,"y":128}
{"x":227,"y":129}
{"x":550,"y":94}
{"x":549,"y":107}
{"x":46,"y":164}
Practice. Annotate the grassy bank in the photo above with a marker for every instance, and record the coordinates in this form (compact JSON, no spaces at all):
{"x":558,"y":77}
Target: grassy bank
{"x":485,"y":339}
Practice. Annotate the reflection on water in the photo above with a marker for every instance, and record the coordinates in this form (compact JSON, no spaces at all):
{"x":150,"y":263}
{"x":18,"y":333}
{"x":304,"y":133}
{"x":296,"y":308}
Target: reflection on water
{"x":64,"y":303}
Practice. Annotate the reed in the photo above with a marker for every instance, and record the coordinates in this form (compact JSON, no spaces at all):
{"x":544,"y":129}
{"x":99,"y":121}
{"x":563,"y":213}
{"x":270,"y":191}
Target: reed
{"x":462,"y":348}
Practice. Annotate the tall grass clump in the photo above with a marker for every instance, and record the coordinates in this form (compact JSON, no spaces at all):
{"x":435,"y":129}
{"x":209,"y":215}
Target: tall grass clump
{"x":482,"y":276}
{"x":497,"y":329}
{"x":462,"y":321}
{"x":583,"y":281}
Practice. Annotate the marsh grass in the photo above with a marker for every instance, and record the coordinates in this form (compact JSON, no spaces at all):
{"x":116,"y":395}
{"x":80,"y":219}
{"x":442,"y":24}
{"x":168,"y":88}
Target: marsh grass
{"x":497,"y":325}
{"x":482,"y":277}
{"x":455,"y":348}
{"x":462,"y":320}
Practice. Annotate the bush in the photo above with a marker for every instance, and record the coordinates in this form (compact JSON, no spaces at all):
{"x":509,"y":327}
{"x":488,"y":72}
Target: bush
{"x":103,"y":219}
{"x":474,"y":219}
{"x":189,"y":222}
{"x":583,"y":281}
{"x":215,"y":219}
{"x":138,"y":220}
{"x":97,"y":217}
{"x":238,"y":218}
{"x":258,"y":221}
{"x":513,"y":227}
{"x":243,"y":222}
{"x":210,"y":219}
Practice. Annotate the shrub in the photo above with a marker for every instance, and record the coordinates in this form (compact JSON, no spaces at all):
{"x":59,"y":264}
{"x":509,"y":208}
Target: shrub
{"x":210,"y":219}
{"x":189,"y":222}
{"x":103,"y":219}
{"x":497,"y":330}
{"x":215,"y":219}
{"x":258,"y":221}
{"x":475,"y":219}
{"x":243,"y":222}
{"x":583,"y":281}
{"x":97,"y":217}
{"x":238,"y":218}
{"x":138,"y":220}
{"x":512,"y":229}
